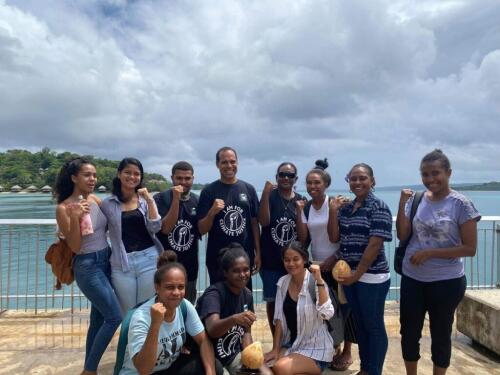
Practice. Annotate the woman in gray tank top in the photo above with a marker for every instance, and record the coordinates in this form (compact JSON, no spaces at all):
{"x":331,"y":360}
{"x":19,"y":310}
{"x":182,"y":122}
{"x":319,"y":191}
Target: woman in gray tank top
{"x":83,"y":226}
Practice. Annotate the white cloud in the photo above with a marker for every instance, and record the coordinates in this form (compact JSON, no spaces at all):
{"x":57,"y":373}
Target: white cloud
{"x":381,"y":82}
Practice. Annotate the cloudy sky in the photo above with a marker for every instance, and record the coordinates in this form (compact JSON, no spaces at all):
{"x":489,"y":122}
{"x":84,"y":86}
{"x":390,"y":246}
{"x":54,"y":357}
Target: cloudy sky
{"x":381,"y":82}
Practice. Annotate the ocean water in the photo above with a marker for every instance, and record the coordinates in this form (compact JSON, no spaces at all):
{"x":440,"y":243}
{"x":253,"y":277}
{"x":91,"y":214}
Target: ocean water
{"x":24,"y":273}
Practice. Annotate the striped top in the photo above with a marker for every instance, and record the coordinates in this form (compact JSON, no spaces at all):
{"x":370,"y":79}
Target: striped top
{"x":313,"y":339}
{"x":373,"y":218}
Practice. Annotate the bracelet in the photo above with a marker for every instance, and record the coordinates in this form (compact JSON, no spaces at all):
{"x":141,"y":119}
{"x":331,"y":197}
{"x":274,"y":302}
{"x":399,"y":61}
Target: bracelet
{"x":320,"y":284}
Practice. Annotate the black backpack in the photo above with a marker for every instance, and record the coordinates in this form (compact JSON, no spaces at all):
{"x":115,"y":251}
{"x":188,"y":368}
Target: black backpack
{"x":400,"y":252}
{"x":336,"y":323}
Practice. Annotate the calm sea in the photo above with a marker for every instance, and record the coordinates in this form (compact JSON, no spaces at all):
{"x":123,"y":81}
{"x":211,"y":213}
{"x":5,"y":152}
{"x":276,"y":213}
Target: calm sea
{"x":21,"y":266}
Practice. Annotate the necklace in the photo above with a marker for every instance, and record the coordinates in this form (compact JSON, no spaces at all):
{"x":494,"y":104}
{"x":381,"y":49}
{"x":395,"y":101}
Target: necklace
{"x":286,"y":202}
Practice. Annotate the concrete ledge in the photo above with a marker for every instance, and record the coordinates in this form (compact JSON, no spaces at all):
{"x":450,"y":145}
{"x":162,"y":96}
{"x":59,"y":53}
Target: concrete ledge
{"x":478,"y":317}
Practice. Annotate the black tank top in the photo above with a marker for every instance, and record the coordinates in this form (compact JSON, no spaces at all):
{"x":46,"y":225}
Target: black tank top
{"x":290,"y":311}
{"x":135,"y":236}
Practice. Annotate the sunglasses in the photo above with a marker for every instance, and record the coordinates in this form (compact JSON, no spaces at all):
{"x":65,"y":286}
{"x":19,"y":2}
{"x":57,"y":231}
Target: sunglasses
{"x":290,"y":175}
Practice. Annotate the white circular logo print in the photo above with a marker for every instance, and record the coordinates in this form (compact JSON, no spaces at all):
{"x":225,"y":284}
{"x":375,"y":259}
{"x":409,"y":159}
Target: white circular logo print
{"x":233,"y":223}
{"x":181,"y":237}
{"x":230,"y":342}
{"x":284,"y":231}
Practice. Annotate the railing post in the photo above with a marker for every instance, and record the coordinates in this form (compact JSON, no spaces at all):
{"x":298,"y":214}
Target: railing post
{"x":498,"y":254}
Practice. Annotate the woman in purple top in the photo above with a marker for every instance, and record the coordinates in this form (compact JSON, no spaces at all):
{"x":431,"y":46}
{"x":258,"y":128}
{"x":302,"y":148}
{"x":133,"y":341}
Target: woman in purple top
{"x":73,"y":192}
{"x":444,"y":230}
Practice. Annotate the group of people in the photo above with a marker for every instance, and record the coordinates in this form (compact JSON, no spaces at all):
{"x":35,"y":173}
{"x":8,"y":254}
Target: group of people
{"x":152,"y":263}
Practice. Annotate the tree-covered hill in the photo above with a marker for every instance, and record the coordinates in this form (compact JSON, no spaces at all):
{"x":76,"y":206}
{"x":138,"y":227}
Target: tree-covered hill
{"x":23,"y":168}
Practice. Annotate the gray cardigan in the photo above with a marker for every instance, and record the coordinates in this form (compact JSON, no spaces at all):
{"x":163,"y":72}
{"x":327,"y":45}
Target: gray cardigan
{"x":111,"y":207}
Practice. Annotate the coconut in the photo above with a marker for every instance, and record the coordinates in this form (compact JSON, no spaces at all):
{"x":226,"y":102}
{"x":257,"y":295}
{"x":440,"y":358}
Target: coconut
{"x":341,"y":270}
{"x":252,"y":357}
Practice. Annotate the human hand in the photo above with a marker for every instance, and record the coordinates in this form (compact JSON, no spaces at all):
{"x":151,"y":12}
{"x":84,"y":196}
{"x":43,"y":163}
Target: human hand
{"x":350,"y":279}
{"x":256,"y":264}
{"x":406,"y":194}
{"x":271,"y":356}
{"x":328,"y":264}
{"x":144,"y":193}
{"x":177,"y":191}
{"x":300,"y":205}
{"x":420,"y":257}
{"x":269,"y":186}
{"x":338,"y":202}
{"x":78,"y":209}
{"x":217,"y":207}
{"x":157,"y":313}
{"x":316,"y":272}
{"x":245,"y":319}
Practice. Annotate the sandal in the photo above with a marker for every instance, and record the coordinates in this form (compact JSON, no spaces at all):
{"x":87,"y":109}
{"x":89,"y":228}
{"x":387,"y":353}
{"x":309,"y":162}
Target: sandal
{"x":340,"y":364}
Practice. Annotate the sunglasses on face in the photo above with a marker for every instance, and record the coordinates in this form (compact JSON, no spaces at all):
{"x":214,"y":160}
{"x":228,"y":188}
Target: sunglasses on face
{"x":290,"y":175}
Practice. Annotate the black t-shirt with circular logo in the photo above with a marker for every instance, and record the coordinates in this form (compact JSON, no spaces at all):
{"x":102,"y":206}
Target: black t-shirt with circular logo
{"x":280,"y":231}
{"x":233,"y":223}
{"x":218,"y":299}
{"x":183,"y":239}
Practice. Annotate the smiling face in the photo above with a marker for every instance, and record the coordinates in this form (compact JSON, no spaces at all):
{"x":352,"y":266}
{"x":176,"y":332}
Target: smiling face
{"x":238,"y":274}
{"x":293,"y":261}
{"x":286,"y":177}
{"x":435,"y":177}
{"x":86,"y":179}
{"x":184,"y":178}
{"x":171,"y":289}
{"x":130,"y":176}
{"x":228,"y":166}
{"x":360,"y":182}
{"x":315,"y":185}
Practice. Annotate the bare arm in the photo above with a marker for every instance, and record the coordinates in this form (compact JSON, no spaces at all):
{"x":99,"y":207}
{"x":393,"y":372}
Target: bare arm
{"x":68,"y":221}
{"x":468,"y":234}
{"x":256,"y":238}
{"x":206,"y":352}
{"x":145,"y":359}
{"x":301,"y":226}
{"x":247,"y":338}
{"x":402,"y":222}
{"x":264,"y":213}
{"x":217,"y":327}
{"x":205,"y":224}
{"x":168,"y":222}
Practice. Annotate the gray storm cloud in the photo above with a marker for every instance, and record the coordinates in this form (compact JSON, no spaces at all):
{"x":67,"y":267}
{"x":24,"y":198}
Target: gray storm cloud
{"x":353,"y":81}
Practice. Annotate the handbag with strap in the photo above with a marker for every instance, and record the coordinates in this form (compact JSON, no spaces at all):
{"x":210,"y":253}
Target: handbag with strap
{"x":60,"y":258}
{"x":401,"y":249}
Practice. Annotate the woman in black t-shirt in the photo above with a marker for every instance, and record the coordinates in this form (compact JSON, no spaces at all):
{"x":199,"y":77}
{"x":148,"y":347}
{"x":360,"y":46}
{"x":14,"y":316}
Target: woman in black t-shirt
{"x":226,"y":308}
{"x":277,"y":217}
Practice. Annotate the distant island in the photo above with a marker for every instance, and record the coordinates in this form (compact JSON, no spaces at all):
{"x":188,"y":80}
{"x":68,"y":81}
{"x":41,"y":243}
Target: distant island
{"x":486,"y":186}
{"x":24,"y":170}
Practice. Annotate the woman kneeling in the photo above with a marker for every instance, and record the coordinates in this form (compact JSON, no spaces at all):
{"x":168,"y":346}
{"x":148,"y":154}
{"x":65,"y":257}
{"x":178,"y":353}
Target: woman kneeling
{"x":158,"y":331}
{"x":301,"y":341}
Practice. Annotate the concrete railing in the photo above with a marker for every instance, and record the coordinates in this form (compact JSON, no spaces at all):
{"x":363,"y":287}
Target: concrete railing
{"x":27,"y":283}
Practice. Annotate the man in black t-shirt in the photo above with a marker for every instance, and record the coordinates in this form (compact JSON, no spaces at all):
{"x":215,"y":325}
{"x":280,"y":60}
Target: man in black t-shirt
{"x":227,"y":211}
{"x":179,"y":231}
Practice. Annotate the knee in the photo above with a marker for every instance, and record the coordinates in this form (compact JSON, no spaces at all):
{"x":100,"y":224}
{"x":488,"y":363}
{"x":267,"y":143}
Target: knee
{"x":282,"y":366}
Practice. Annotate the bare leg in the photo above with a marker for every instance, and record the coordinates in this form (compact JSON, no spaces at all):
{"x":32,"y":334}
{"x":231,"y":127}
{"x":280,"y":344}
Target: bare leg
{"x":270,"y":315}
{"x":295,"y":364}
{"x":438,"y":370}
{"x":411,"y":367}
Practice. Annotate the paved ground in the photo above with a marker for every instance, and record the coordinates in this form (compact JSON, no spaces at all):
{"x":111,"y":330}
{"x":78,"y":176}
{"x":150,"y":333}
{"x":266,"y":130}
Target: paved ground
{"x":54,"y":342}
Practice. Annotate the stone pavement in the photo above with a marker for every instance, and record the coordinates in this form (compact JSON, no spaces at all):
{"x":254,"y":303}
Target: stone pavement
{"x":54,"y":343}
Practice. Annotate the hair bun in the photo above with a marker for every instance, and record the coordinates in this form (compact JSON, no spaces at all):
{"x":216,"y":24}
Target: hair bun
{"x":321,"y":164}
{"x":168,"y":256}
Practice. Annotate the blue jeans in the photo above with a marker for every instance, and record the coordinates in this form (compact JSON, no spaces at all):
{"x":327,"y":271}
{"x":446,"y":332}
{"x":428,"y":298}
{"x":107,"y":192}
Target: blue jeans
{"x":137,"y":284}
{"x":92,"y":272}
{"x":367,"y":302}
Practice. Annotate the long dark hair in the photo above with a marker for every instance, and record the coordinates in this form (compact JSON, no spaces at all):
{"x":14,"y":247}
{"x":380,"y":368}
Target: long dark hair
{"x":64,"y":185}
{"x":117,"y":185}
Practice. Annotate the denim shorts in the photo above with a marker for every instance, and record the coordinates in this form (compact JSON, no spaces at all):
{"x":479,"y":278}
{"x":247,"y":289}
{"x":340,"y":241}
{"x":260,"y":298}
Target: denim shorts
{"x":269,"y":280}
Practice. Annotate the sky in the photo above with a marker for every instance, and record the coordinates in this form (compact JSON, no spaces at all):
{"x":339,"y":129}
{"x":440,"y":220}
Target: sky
{"x":380,"y":82}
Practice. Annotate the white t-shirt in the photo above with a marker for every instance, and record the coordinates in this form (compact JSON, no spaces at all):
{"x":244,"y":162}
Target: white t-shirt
{"x":171,"y":336}
{"x":321,"y":247}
